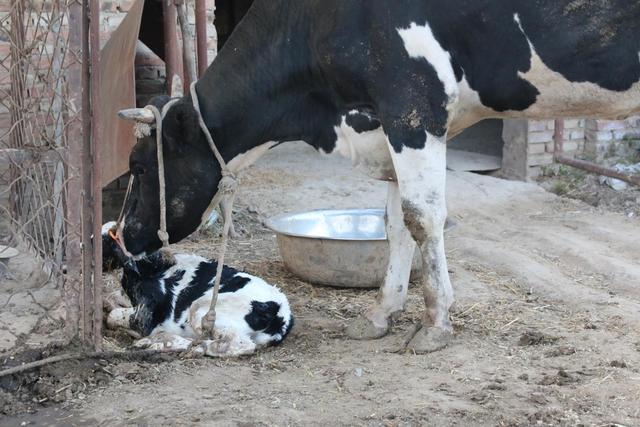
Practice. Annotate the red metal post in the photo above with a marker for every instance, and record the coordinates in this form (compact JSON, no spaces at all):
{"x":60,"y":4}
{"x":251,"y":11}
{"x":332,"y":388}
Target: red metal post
{"x":172,"y":57}
{"x":96,"y":170}
{"x":201,"y":36}
{"x":558,"y":137}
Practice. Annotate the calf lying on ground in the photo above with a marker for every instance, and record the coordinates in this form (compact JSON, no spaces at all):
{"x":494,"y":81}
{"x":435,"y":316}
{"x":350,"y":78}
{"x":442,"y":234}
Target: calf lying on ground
{"x":171,"y":294}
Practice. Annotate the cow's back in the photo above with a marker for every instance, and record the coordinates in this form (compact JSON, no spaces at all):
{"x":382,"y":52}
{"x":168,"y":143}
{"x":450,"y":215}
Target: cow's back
{"x":510,"y":58}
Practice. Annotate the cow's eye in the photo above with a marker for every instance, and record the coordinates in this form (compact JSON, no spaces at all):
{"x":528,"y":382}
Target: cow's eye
{"x":138,"y":170}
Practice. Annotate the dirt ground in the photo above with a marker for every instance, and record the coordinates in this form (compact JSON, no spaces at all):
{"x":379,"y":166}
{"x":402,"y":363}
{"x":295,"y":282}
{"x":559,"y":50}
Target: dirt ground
{"x":547,"y":325}
{"x":579,"y":185}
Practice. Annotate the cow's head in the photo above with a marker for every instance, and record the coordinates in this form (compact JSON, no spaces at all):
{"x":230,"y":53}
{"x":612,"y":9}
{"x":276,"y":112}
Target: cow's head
{"x":191,"y":176}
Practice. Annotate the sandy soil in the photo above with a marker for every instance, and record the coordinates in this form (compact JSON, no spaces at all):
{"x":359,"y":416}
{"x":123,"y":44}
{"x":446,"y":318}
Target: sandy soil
{"x":546,"y":316}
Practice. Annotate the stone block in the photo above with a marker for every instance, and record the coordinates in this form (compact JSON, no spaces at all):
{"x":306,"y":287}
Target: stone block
{"x":540,"y":159}
{"x":540,"y":125}
{"x":576,"y":135}
{"x":574,"y":123}
{"x":570,"y":146}
{"x":619,"y":135}
{"x":536,"y":148}
{"x":591,"y":124}
{"x":604,"y":125}
{"x":599,"y":136}
{"x":540,"y":136}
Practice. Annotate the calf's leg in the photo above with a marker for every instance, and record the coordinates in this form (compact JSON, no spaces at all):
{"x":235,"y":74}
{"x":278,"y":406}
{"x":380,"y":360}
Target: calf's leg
{"x":393,"y":293}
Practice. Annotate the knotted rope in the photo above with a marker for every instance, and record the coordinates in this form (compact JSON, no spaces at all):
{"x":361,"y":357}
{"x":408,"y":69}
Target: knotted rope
{"x":163,"y":235}
{"x":226,"y":188}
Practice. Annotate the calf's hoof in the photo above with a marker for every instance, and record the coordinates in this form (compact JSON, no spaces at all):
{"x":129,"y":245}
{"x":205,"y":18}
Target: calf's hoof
{"x":164,"y":342}
{"x":119,"y":318}
{"x":227,"y":346}
{"x":428,"y":340}
{"x":216,"y":347}
{"x":364,"y":329}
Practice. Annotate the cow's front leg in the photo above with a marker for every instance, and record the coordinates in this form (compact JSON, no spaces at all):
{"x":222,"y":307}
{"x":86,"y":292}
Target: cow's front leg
{"x":421,"y":176}
{"x":393,"y":293}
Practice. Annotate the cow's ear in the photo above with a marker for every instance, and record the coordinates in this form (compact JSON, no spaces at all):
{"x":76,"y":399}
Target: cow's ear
{"x":180,"y":126}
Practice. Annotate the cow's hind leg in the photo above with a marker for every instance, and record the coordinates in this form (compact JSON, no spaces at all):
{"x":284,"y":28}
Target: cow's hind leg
{"x":421,"y":176}
{"x":393,"y":293}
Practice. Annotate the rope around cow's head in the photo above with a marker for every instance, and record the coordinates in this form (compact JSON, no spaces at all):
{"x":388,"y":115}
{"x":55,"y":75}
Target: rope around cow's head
{"x":226,"y":188}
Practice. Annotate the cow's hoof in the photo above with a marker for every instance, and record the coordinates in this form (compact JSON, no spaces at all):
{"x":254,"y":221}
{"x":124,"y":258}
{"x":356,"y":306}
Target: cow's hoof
{"x":364,"y":329}
{"x":428,"y":340}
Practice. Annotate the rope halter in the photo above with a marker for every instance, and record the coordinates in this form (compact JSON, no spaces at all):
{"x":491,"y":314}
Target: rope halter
{"x":227,"y":187}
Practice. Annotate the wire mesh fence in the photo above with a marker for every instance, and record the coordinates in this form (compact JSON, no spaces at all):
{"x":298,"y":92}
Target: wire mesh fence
{"x":41,"y":137}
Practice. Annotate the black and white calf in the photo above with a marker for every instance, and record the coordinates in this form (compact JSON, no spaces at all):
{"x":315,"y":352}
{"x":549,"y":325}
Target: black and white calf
{"x":171,"y":293}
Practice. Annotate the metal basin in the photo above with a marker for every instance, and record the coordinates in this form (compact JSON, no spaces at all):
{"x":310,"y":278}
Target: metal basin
{"x":343,"y":248}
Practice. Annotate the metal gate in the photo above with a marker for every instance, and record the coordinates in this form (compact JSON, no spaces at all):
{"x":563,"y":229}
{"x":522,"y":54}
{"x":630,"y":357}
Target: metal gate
{"x":47,"y":154}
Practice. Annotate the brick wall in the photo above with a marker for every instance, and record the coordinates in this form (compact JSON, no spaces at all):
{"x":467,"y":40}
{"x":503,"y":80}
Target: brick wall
{"x":529,"y":144}
{"x":581,"y":136}
{"x":540,"y":140}
{"x":601,"y":134}
{"x":111,"y":15}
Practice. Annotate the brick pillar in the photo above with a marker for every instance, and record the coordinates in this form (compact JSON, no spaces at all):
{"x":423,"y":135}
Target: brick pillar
{"x":528,"y":145}
{"x":514,"y":153}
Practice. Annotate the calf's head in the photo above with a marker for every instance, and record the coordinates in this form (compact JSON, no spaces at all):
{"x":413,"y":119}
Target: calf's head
{"x":191,"y":178}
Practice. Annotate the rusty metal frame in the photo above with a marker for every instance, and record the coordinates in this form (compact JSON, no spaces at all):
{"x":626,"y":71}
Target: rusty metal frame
{"x":87,"y":224}
{"x":73,"y":251}
{"x":91,"y":194}
{"x":201,"y":36}
{"x":96,"y":169}
{"x":172,"y":57}
{"x":560,"y":157}
{"x":58,"y":159}
{"x":188,"y":48}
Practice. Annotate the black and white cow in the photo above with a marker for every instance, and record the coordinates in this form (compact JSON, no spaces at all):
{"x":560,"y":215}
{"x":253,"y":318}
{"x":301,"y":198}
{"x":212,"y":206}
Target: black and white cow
{"x":171,"y":294}
{"x":386,"y":83}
